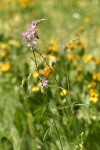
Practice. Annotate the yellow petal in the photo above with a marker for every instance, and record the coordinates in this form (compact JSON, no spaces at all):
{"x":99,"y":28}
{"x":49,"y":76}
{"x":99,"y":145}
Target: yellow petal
{"x":63,"y":93}
{"x":35,"y":89}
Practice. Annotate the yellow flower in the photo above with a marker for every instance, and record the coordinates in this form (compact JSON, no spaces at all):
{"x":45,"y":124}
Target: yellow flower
{"x":71,"y":57}
{"x":3,"y":54}
{"x":82,"y":44}
{"x":86,"y":20}
{"x":71,"y":46}
{"x":92,"y":85}
{"x":1,"y":5}
{"x":93,"y":96}
{"x":37,"y":55}
{"x":47,"y":71}
{"x":35,"y":89}
{"x":87,"y":58}
{"x":96,"y":60}
{"x":63,"y":93}
{"x":53,"y":46}
{"x":5,"y":67}
{"x":81,"y":28}
{"x":96,"y":76}
{"x":4,"y":46}
{"x":80,"y":78}
{"x":39,"y":84}
{"x":79,"y":68}
{"x":25,"y":3}
{"x":35,"y":74}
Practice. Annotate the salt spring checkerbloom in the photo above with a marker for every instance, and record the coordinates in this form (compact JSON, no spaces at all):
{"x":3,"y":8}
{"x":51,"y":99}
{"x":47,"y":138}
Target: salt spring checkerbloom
{"x":44,"y":83}
{"x":30,"y":35}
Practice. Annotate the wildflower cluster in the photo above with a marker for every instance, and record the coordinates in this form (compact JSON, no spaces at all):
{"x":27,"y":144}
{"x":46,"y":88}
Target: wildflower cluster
{"x":30,"y":35}
{"x":93,"y":96}
{"x":60,"y":86}
{"x":4,"y":65}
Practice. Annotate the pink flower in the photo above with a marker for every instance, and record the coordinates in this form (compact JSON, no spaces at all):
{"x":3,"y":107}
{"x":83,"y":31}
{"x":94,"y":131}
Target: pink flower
{"x":30,"y":35}
{"x":44,"y":83}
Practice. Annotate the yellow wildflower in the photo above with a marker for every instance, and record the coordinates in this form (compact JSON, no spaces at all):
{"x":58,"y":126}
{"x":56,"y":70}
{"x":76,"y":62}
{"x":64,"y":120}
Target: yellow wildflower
{"x":5,"y":67}
{"x":4,"y":46}
{"x":35,"y":74}
{"x":53,"y":46}
{"x":71,"y":46}
{"x":87,"y":58}
{"x":79,"y":68}
{"x":37,"y":55}
{"x":63,"y":93}
{"x":39,"y":84}
{"x":96,"y":76}
{"x":1,"y":5}
{"x":92,"y":85}
{"x":35,"y":89}
{"x":86,"y":20}
{"x":82,"y":44}
{"x":93,"y":96}
{"x":71,"y":57}
{"x":47,"y":71}
{"x":80,"y":78}
{"x":25,"y":3}
{"x":3,"y":54}
{"x":81,"y":28}
{"x":96,"y":61}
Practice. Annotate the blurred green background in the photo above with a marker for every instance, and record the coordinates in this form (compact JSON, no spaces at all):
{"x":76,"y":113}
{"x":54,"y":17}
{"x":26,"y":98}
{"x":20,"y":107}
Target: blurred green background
{"x":25,"y":123}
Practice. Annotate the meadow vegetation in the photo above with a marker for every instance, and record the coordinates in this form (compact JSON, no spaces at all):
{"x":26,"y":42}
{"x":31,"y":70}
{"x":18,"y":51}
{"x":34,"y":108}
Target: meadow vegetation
{"x":50,"y":94}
